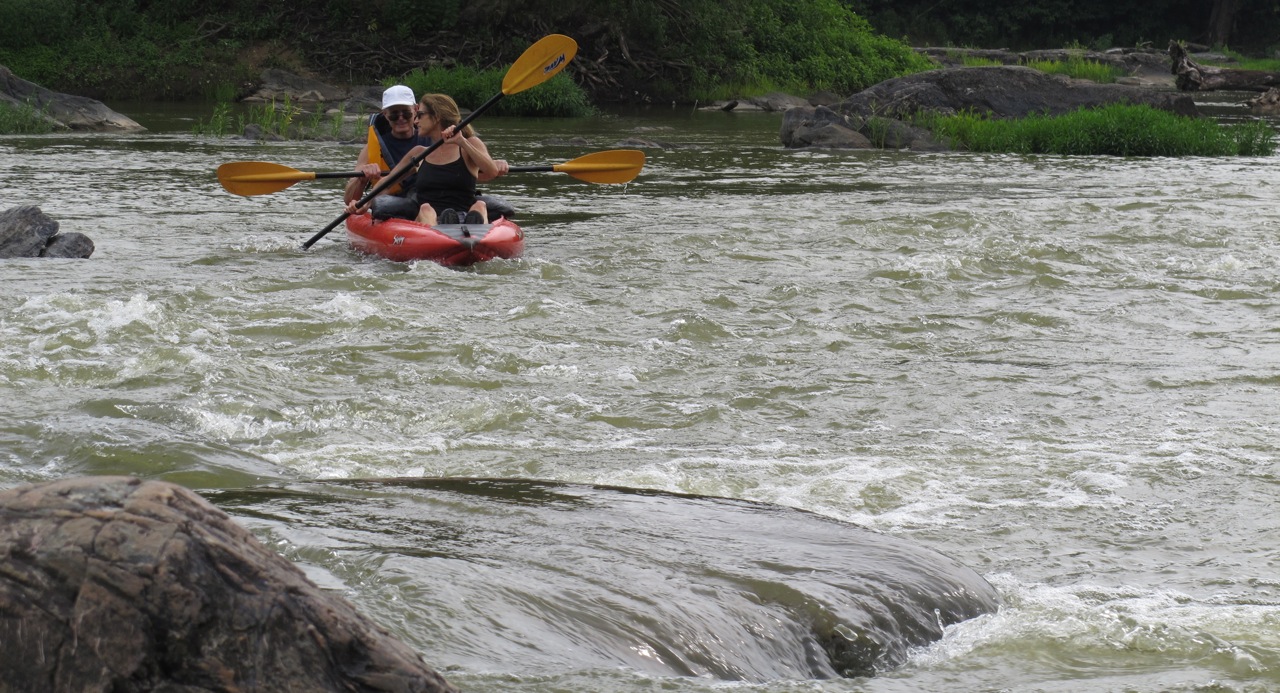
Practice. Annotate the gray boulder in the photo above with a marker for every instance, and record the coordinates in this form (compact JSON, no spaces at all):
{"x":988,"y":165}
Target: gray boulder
{"x":27,"y":232}
{"x":64,"y":111}
{"x":118,"y":584}
{"x":1007,"y":91}
{"x":275,"y":85}
{"x":1144,"y":66}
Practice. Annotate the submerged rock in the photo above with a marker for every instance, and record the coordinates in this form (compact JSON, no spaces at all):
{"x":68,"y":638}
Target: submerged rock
{"x":27,"y":232}
{"x":118,"y":584}
{"x":539,"y":575}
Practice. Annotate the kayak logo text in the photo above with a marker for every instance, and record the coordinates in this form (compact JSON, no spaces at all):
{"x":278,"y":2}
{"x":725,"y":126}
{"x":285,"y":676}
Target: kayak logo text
{"x":554,"y":64}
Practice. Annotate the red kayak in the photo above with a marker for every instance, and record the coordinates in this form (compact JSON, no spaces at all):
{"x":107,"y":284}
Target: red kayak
{"x":451,"y":245}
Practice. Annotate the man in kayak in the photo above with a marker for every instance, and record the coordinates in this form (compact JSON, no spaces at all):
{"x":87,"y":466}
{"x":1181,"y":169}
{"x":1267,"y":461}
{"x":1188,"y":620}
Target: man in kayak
{"x":392,"y":133}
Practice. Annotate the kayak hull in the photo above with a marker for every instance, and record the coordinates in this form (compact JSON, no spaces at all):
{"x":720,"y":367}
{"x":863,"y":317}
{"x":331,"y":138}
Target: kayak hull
{"x":451,"y":245}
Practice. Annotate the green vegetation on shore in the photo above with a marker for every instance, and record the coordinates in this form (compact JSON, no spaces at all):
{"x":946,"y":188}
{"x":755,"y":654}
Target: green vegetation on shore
{"x":1118,"y":130}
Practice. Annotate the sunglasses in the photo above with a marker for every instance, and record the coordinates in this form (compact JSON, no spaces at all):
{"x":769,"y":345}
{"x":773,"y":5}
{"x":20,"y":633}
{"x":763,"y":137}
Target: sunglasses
{"x":393,"y":116}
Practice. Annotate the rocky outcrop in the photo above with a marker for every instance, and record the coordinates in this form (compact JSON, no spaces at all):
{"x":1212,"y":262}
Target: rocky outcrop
{"x":278,"y":85}
{"x":1004,"y":92}
{"x":63,"y":111}
{"x":880,"y":113}
{"x":27,"y":232}
{"x":771,"y":102}
{"x":1143,"y":66}
{"x":118,"y":584}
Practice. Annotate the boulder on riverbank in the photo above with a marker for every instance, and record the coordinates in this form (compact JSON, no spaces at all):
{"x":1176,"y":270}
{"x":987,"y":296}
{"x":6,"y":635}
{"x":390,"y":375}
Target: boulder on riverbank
{"x":879,"y":116}
{"x":63,"y":111}
{"x":27,"y":232}
{"x":276,"y":86}
{"x":113,"y":583}
{"x":1143,"y":66}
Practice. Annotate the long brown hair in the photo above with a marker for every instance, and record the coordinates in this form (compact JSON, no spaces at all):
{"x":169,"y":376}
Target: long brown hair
{"x":444,"y":109}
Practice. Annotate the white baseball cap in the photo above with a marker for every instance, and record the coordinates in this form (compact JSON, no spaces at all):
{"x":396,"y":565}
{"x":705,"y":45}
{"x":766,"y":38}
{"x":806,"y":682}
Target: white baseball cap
{"x":399,"y":95}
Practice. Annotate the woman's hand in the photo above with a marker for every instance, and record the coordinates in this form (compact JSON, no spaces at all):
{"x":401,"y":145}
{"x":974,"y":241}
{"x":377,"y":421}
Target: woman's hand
{"x":450,"y":135}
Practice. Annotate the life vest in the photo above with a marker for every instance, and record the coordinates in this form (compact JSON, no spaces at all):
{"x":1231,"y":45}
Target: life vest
{"x":387,"y":151}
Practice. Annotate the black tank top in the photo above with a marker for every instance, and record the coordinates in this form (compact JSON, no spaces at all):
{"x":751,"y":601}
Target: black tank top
{"x":446,"y":186}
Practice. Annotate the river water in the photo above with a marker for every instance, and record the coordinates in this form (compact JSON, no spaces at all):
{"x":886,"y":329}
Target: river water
{"x":1061,"y":372}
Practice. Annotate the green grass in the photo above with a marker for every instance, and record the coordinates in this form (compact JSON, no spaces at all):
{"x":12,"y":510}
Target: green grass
{"x":975,"y":61}
{"x":1240,"y":62}
{"x":1118,"y":130}
{"x":286,"y":120}
{"x":219,"y":122}
{"x":23,"y":119}
{"x":1079,"y":68}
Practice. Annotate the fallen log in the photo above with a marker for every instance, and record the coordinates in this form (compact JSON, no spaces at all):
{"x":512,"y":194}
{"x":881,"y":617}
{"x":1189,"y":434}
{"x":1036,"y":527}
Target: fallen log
{"x":1191,"y":76}
{"x":1266,"y":104}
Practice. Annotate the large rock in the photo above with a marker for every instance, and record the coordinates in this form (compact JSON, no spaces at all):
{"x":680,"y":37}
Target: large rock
{"x":64,"y":111}
{"x":117,"y":584}
{"x":593,"y":578}
{"x":1007,"y":91}
{"x":1144,"y":66}
{"x":27,"y":232}
{"x":277,"y":86}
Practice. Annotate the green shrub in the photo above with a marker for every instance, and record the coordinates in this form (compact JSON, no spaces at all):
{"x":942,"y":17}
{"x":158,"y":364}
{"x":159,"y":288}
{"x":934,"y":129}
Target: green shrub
{"x":1117,"y":129}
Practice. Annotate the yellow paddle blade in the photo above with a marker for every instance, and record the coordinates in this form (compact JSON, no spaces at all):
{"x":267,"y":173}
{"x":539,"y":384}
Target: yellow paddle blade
{"x":249,"y":178}
{"x":539,"y":63}
{"x":614,"y":166}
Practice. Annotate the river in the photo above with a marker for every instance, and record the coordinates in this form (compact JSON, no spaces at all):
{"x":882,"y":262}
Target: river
{"x":1061,"y":372}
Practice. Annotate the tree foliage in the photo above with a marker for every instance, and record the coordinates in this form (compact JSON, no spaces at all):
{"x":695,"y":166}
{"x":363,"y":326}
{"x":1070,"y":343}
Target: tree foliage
{"x":632,"y":50}
{"x":1245,"y":24}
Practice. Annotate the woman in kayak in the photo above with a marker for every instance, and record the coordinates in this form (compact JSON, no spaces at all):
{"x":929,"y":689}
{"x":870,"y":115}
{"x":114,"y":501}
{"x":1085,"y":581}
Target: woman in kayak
{"x":445,"y":183}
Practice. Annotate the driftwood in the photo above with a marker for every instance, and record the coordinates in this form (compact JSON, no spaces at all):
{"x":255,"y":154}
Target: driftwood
{"x":1191,"y":76}
{"x":1266,"y":104}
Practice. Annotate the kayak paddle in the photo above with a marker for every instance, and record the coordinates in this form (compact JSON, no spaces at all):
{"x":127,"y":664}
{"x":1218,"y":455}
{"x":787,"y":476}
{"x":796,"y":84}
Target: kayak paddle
{"x":539,"y":63}
{"x":613,"y":166}
{"x":249,"y":178}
